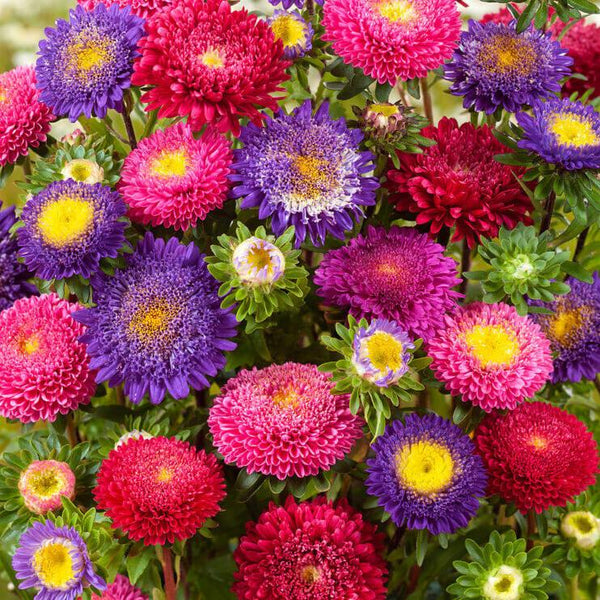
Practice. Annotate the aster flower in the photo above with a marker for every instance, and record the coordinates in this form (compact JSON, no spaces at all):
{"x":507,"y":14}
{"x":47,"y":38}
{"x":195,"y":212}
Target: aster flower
{"x":13,"y":274}
{"x":174,"y":180}
{"x":399,"y":275}
{"x":491,"y":355}
{"x":160,"y":489}
{"x":457,"y":183}
{"x":294,"y":32}
{"x":306,"y":171}
{"x":211,"y":64}
{"x":157,"y":325}
{"x":121,"y":589}
{"x":377,"y":368}
{"x":521,"y":264}
{"x":283,"y":420}
{"x":502,"y":569}
{"x":260,"y":273}
{"x":24,"y":120}
{"x":44,"y":482}
{"x":573,"y":329}
{"x":69,"y":227}
{"x":141,"y":8}
{"x":85,"y":63}
{"x":537,"y":456}
{"x":426,"y":474}
{"x":496,"y":67}
{"x":314,"y":550}
{"x":563,"y":133}
{"x":582,"y":527}
{"x":391,"y":39}
{"x":55,"y":560}
{"x":44,"y":369}
{"x":289,"y":3}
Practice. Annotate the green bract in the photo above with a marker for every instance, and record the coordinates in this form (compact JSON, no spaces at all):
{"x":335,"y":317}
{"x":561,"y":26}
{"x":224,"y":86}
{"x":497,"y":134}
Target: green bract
{"x":502,"y":570}
{"x":258,"y":293}
{"x":375,"y":401}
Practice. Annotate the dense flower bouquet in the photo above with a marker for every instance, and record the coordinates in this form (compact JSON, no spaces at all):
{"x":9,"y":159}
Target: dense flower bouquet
{"x":270,"y":330}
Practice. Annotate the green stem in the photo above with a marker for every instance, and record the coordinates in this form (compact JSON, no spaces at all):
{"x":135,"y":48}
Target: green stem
{"x":128,"y":124}
{"x":574,"y":585}
{"x":580,"y":243}
{"x":548,"y":212}
{"x":167,"y":563}
{"x":531,"y":528}
{"x":150,"y":123}
{"x":427,"y":103}
{"x":465,"y":265}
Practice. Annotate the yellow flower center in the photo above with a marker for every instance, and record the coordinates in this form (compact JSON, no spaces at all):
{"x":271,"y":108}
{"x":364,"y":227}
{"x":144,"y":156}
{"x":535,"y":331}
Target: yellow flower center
{"x":564,"y":323}
{"x":289,"y":30}
{"x":425,"y":467}
{"x":492,"y":345}
{"x":151,"y":322}
{"x":88,"y":54}
{"x":170,"y":163}
{"x":573,"y":130}
{"x":504,"y":584}
{"x":312,"y":171}
{"x":3,"y":95}
{"x":53,"y":564}
{"x":286,"y":397}
{"x":65,"y":220}
{"x":310,"y":574}
{"x":505,"y":54}
{"x":29,"y":345}
{"x":212,"y":59}
{"x":258,"y":258}
{"x":386,"y":110}
{"x":81,"y":169}
{"x":384,"y":351}
{"x":582,"y":522}
{"x":538,"y":442}
{"x":46,"y":483}
{"x":165,"y":475}
{"x":397,"y":11}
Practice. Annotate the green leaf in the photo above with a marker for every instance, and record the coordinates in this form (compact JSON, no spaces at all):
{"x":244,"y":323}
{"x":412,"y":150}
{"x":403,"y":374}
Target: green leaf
{"x":136,"y":565}
{"x":422,"y":542}
{"x":527,"y":15}
{"x":576,"y":270}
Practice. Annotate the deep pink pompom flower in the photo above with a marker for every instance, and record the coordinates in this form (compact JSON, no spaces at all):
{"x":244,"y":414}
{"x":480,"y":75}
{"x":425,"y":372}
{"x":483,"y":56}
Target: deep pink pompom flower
{"x":44,"y":369}
{"x":283,"y":420}
{"x":314,"y":550}
{"x":159,"y":489}
{"x":121,"y":589}
{"x":391,"y":39}
{"x":491,"y":355}
{"x":24,"y":120}
{"x":141,"y":8}
{"x":174,"y":180}
{"x":211,"y":64}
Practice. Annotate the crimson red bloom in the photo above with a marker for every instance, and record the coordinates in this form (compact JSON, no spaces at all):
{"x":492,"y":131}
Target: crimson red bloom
{"x":458,"y":183}
{"x":210,"y":63}
{"x":310,"y":551}
{"x":537,"y":456}
{"x":141,"y":8}
{"x":159,"y":489}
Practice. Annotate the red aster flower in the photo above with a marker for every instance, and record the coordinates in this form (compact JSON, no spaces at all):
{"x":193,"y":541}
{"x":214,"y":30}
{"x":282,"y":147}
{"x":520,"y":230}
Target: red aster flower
{"x":537,"y":456}
{"x":210,"y":63}
{"x":310,"y":551}
{"x":121,"y":589}
{"x":141,"y":8}
{"x":458,"y":183}
{"x":159,"y":489}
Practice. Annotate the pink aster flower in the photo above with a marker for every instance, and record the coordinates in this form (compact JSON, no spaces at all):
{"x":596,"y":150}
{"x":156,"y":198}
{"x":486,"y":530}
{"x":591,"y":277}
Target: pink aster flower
{"x":391,"y":39}
{"x":141,"y":8}
{"x":44,"y":482}
{"x":174,"y":180}
{"x":44,"y":369}
{"x":24,"y":120}
{"x":491,"y":355}
{"x":121,"y":589}
{"x":283,"y":420}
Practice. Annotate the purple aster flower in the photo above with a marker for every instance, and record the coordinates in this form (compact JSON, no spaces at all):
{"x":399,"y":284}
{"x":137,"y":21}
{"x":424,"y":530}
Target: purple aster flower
{"x":294,"y":32}
{"x":158,"y":325}
{"x":496,"y":67}
{"x":13,"y":274}
{"x":85,"y":63}
{"x":573,"y":330}
{"x":382,"y":352}
{"x":55,"y":560}
{"x":426,"y":474}
{"x":69,"y":226}
{"x":399,"y":275}
{"x":306,"y":171}
{"x":563,"y":132}
{"x":288,"y":3}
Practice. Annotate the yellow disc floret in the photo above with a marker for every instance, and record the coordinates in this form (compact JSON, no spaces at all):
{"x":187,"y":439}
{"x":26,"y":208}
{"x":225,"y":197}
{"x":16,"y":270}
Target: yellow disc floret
{"x":425,"y":467}
{"x":289,"y":30}
{"x":212,"y":59}
{"x":65,"y":220}
{"x":397,"y":11}
{"x":573,"y":130}
{"x":384,"y":351}
{"x":46,"y":483}
{"x":150,"y":322}
{"x":565,"y":323}
{"x":170,"y":163}
{"x":492,"y":345}
{"x":53,"y":564}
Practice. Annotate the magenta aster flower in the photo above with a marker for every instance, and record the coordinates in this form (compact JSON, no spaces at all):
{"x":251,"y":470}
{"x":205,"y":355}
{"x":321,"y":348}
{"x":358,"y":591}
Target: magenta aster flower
{"x":24,"y":120}
{"x":141,"y":8}
{"x":121,"y":589}
{"x":44,"y":369}
{"x":283,"y":420}
{"x":399,"y":275}
{"x":391,"y":39}
{"x":491,"y":355}
{"x":44,"y":482}
{"x":173,"y":179}
{"x":310,"y":551}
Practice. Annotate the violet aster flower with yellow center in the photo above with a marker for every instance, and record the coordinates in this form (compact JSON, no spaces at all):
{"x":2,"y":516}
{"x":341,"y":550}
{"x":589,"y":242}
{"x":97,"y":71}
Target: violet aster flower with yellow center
{"x":307,"y":171}
{"x":55,"y":561}
{"x":44,"y":482}
{"x":294,"y":32}
{"x":496,"y":67}
{"x":157,"y":325}
{"x":573,"y":329}
{"x":491,"y":355}
{"x":426,"y":474}
{"x":69,"y":227}
{"x":563,"y":133}
{"x":85,"y":64}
